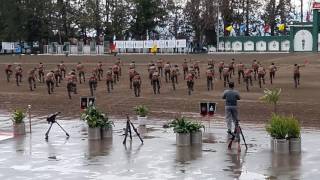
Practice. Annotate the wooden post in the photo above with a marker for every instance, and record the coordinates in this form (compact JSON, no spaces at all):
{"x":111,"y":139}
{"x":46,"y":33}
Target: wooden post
{"x":29,"y":113}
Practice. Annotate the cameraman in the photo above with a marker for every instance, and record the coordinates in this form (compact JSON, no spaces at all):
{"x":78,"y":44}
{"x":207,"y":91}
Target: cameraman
{"x":231,"y":97}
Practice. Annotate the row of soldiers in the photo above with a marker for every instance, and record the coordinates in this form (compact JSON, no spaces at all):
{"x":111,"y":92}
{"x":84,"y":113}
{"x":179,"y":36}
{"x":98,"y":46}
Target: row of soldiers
{"x":156,"y":70}
{"x":54,"y":77}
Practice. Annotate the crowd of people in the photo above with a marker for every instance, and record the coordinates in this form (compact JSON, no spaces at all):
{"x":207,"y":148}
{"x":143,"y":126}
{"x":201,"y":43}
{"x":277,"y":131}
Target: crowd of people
{"x":157,"y":70}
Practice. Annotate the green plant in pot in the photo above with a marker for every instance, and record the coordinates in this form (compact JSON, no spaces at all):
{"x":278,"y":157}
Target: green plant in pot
{"x":97,"y":122}
{"x":17,"y":117}
{"x":271,"y":97}
{"x":277,"y":127}
{"x":181,"y":126}
{"x":294,"y":134}
{"x":142,"y":112}
{"x":196,"y":133}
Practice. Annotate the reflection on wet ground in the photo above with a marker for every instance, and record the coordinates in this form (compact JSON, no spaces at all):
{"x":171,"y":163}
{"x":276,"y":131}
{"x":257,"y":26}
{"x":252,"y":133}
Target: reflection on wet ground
{"x":31,"y":157}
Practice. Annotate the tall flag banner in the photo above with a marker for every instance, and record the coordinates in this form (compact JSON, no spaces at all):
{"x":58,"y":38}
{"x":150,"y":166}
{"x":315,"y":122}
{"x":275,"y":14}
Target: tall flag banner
{"x":282,"y":27}
{"x":154,"y":49}
{"x":229,"y":28}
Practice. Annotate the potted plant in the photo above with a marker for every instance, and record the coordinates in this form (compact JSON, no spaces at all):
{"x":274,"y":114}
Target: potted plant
{"x":195,"y":132}
{"x":142,"y":112}
{"x":96,"y":120}
{"x":278,"y":130}
{"x":106,"y":129}
{"x":271,"y":97}
{"x":181,"y":128}
{"x":18,"y":124}
{"x":294,"y":135}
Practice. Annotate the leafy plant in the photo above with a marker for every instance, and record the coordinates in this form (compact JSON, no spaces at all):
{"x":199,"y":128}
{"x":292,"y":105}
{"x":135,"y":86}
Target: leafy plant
{"x":181,"y":125}
{"x":271,"y":97}
{"x":95,"y":118}
{"x":18,"y":116}
{"x":277,"y":127}
{"x":184,"y":125}
{"x":195,"y":127}
{"x":141,"y":110}
{"x":293,"y":127}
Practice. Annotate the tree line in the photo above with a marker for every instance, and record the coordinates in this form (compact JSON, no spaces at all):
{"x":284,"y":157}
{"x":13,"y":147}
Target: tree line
{"x":64,"y":20}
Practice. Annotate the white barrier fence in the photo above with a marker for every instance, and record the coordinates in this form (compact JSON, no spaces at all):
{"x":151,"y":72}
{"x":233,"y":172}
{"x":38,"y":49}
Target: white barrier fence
{"x":163,"y":46}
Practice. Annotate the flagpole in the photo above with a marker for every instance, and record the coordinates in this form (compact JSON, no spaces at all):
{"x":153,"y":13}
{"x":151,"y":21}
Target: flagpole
{"x":218,"y":27}
{"x":301,"y":11}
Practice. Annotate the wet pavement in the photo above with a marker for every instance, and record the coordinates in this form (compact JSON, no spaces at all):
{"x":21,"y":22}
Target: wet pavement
{"x":32,"y":157}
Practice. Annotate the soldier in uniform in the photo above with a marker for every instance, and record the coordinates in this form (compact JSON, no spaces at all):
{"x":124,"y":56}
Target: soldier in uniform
{"x":32,"y":79}
{"x":109,"y":80}
{"x":156,"y":82}
{"x":197,"y":68}
{"x":116,"y":73}
{"x":41,"y":72}
{"x":93,"y":82}
{"x":272,"y":72}
{"x":261,"y":75}
{"x":8,"y":72}
{"x":62,"y":70}
{"x":190,"y":82}
{"x":160,"y":66}
{"x":240,"y":71}
{"x":231,"y":68}
{"x":132,"y":73}
{"x":220,"y":66}
{"x":174,"y":76}
{"x":296,"y":74}
{"x":151,"y":70}
{"x":57,"y":75}
{"x":167,"y":68}
{"x":72,"y":83}
{"x":226,"y":74}
{"x":81,"y":73}
{"x":18,"y":74}
{"x":210,"y":76}
{"x":100,"y":70}
{"x":255,"y":67}
{"x":185,"y":68}
{"x":119,"y":63}
{"x":50,"y":81}
{"x":248,"y":77}
{"x":136,"y":84}
{"x":132,"y":65}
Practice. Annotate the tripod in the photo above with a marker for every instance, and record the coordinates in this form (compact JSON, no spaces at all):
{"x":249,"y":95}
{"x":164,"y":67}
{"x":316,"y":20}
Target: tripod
{"x":128,"y":131}
{"x":51,"y":120}
{"x":237,"y":130}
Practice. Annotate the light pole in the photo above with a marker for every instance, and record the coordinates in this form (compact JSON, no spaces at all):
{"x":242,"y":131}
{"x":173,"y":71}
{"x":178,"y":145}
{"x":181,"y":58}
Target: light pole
{"x":217,"y":29}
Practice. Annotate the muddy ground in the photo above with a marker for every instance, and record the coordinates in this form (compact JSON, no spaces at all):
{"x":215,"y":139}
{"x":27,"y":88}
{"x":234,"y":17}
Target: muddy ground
{"x":301,"y":102}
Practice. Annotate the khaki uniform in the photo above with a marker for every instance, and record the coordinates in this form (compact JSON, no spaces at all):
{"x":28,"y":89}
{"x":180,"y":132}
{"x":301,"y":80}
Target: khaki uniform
{"x":81,"y":73}
{"x":50,"y":82}
{"x":137,"y":84}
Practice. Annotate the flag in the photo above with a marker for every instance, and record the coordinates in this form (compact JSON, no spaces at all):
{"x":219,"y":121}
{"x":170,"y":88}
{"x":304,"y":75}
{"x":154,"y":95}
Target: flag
{"x":229,"y":28}
{"x":154,"y":49}
{"x":282,"y":27}
{"x":266,"y":28}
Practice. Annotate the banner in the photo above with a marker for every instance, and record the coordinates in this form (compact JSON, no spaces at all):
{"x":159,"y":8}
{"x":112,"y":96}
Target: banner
{"x":182,"y":43}
{"x":138,"y":44}
{"x":8,"y":46}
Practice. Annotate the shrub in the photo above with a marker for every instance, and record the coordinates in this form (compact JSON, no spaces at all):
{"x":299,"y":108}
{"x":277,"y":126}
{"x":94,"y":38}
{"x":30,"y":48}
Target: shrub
{"x":271,"y":97}
{"x":95,"y":118}
{"x":293,"y":127}
{"x":181,"y":125}
{"x":18,"y":116}
{"x":184,"y":125}
{"x":277,"y":127}
{"x":195,"y":127}
{"x":141,"y":110}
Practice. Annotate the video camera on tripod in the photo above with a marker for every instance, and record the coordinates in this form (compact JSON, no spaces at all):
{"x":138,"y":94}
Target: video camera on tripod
{"x":51,"y":120}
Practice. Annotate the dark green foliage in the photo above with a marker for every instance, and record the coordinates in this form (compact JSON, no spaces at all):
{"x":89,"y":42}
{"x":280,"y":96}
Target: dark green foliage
{"x":184,"y":125}
{"x":95,"y":118}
